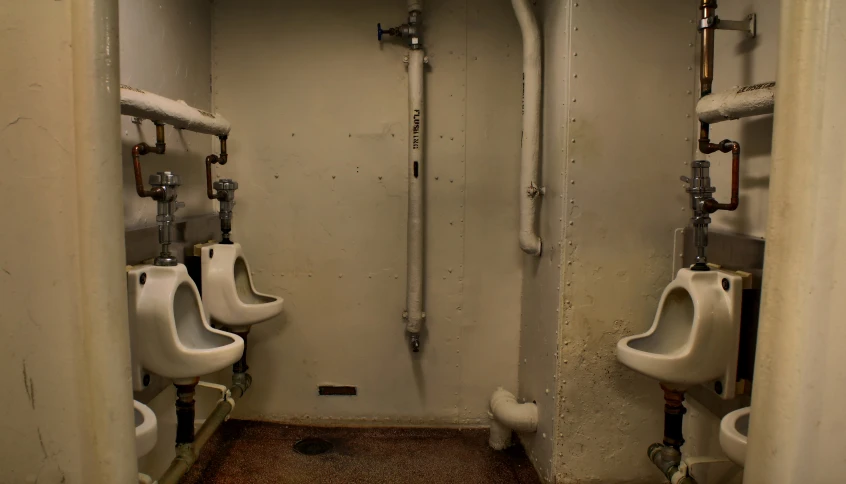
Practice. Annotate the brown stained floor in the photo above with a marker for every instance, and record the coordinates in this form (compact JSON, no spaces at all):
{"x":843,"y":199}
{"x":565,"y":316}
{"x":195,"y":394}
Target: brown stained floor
{"x":246,"y":452}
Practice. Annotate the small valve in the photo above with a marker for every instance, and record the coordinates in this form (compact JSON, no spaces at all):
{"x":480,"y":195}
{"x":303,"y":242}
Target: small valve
{"x":380,"y":32}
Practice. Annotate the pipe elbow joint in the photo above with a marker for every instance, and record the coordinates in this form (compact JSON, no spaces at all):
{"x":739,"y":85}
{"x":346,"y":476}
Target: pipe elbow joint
{"x":530,"y":243}
{"x":519,"y":417}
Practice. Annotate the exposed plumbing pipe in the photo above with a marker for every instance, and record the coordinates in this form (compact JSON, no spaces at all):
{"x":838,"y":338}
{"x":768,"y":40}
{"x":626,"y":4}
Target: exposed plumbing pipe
{"x":530,"y":190}
{"x":507,"y":415}
{"x":146,"y":105}
{"x":736,"y":103}
{"x":187,"y":454}
{"x":667,"y":455}
{"x":414,"y":297}
{"x":142,"y":149}
{"x":101,"y":284}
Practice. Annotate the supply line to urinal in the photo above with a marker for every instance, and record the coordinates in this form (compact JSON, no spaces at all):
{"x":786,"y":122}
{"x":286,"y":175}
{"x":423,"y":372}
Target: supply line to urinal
{"x":411,"y":32}
{"x":700,"y":189}
{"x":225,"y":191}
{"x":667,"y":455}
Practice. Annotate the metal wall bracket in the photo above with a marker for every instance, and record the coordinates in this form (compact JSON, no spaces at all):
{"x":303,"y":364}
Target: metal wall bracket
{"x":749,"y":25}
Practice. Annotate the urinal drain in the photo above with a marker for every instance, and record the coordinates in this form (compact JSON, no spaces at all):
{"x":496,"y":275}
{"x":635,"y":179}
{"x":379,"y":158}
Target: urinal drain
{"x":313,"y":446}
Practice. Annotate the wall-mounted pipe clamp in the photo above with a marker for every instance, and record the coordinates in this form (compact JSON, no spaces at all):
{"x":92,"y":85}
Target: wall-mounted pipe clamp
{"x":748,"y":25}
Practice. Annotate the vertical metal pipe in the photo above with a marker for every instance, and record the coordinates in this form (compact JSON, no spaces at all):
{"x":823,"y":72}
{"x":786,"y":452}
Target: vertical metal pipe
{"x":706,"y":69}
{"x":416,"y":123}
{"x":530,"y":191}
{"x":109,"y":413}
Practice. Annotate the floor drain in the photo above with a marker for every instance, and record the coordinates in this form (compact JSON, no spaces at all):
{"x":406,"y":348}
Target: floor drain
{"x":313,"y":446}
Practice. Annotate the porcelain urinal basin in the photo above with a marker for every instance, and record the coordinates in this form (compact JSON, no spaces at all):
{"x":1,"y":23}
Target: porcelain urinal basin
{"x":146,"y":428}
{"x":229,"y":295}
{"x":695,"y":334}
{"x":170,"y":333}
{"x":734,"y":432}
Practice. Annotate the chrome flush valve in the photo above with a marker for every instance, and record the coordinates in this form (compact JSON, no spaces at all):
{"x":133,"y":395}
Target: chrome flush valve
{"x":700,"y":190}
{"x":166,"y":206}
{"x":226,"y":196}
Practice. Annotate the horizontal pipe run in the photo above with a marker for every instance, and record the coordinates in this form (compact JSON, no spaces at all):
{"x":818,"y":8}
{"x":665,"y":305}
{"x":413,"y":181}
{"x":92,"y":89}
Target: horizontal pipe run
{"x":736,"y":103}
{"x":146,"y":105}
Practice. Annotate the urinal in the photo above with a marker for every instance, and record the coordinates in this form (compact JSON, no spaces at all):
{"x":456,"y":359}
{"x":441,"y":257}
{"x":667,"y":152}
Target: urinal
{"x":146,"y":427}
{"x":170,"y":333}
{"x":229,"y":296}
{"x":694,"y":337}
{"x":734,"y":432}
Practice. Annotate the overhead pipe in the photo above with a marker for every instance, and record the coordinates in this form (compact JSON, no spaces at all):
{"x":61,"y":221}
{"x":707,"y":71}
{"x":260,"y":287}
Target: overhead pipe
{"x":147,"y":105}
{"x":530,"y":190}
{"x":508,"y":415}
{"x":736,"y":103}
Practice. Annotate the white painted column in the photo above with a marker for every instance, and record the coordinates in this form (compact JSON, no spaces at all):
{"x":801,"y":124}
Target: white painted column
{"x":108,"y":406}
{"x":798,"y":419}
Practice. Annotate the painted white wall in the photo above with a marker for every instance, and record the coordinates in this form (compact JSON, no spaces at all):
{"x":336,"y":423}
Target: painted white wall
{"x":165,"y":48}
{"x":318,"y":147}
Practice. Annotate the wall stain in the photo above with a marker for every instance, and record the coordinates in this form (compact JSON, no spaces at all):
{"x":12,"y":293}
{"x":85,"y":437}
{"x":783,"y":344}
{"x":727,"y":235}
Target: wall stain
{"x":29,"y":385}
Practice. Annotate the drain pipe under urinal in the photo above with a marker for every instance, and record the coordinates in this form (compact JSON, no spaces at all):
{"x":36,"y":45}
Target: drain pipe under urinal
{"x":530,"y":191}
{"x":188,"y":452}
{"x":667,"y":455}
{"x":508,"y":415}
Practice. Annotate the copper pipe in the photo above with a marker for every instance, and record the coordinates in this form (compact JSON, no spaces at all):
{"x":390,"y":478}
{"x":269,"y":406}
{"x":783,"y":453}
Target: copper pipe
{"x":224,"y":156}
{"x":712,"y":205}
{"x":706,"y":71}
{"x":142,"y":149}
{"x":211,"y":159}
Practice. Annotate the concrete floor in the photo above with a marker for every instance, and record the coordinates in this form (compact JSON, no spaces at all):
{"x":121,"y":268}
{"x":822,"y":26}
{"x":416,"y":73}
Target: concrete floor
{"x":259,"y":452}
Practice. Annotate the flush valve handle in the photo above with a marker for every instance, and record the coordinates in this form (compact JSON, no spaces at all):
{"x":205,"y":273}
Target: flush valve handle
{"x":380,"y":32}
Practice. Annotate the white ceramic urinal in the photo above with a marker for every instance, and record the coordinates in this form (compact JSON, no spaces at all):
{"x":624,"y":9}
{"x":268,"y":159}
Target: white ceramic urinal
{"x":694,"y":337}
{"x":146,"y":427}
{"x":734,"y":432}
{"x":229,"y":296}
{"x":170,"y":333}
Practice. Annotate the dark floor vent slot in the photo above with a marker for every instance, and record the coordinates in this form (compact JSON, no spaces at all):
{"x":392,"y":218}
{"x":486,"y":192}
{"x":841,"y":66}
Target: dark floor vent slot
{"x":337,"y":390}
{"x":313,"y":446}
